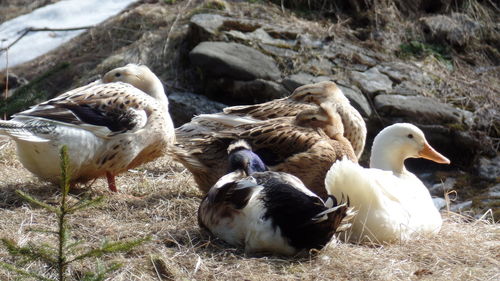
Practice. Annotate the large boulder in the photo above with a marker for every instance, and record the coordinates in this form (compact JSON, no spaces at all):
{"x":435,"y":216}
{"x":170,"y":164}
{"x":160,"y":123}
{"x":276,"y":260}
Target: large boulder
{"x":372,"y":82}
{"x":457,"y":30}
{"x":422,"y":110}
{"x":232,"y":92}
{"x":233,"y":60}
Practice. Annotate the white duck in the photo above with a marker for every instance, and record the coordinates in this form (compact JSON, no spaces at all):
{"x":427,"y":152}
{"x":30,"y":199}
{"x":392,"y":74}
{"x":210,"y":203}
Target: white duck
{"x":268,"y":212}
{"x":108,"y":127}
{"x":392,"y":203}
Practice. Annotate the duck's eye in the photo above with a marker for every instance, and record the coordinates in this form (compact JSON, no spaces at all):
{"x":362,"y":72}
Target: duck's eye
{"x":314,"y":119}
{"x":410,"y":136}
{"x":118,"y":74}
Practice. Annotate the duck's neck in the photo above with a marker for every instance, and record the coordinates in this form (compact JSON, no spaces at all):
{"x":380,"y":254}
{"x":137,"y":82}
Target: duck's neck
{"x":157,"y":91}
{"x":388,"y":158}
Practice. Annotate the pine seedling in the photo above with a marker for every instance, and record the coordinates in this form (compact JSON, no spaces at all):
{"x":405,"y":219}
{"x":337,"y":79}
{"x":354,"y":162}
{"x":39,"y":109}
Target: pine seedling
{"x":66,"y":252}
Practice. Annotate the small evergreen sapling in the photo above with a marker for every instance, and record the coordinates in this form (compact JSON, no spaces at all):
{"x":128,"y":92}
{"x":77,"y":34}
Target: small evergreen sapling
{"x":67,"y":252}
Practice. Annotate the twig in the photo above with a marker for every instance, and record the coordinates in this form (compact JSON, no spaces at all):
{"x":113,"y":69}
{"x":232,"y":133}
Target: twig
{"x":34,"y":29}
{"x":6,"y":80}
{"x":172,"y":28}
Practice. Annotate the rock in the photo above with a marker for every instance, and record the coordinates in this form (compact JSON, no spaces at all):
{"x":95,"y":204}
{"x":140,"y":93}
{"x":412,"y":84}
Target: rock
{"x":461,"y":147}
{"x":408,"y":88}
{"x":260,"y":35}
{"x":278,"y":51}
{"x":439,"y":202}
{"x":372,"y":82}
{"x":245,"y":92}
{"x":489,"y":168}
{"x":458,"y":30}
{"x":319,"y":67}
{"x":12,"y":82}
{"x":294,"y":81}
{"x":441,"y":188}
{"x":457,"y":208}
{"x":233,"y":60}
{"x":417,"y":109}
{"x":183,"y":106}
{"x":204,"y":26}
{"x":399,"y":72}
{"x":306,"y":41}
{"x":494,"y":191}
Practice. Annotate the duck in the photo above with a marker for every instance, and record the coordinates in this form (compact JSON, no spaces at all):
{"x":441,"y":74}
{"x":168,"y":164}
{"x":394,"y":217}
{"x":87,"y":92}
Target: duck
{"x":392,"y":203}
{"x":267,"y":212}
{"x":305,"y":146}
{"x":306,"y":97}
{"x":108,"y":126}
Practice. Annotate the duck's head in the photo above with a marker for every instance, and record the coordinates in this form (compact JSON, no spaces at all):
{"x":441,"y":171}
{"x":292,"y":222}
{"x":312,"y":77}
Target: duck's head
{"x":398,"y":142}
{"x":319,"y":93}
{"x":241,"y":157}
{"x":139,"y":76}
{"x":324,"y":117}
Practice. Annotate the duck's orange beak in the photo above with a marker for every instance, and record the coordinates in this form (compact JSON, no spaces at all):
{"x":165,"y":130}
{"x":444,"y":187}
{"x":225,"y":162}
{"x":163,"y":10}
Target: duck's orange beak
{"x":429,"y":153}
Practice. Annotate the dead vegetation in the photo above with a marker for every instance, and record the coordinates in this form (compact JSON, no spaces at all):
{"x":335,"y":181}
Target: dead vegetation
{"x":165,"y":208}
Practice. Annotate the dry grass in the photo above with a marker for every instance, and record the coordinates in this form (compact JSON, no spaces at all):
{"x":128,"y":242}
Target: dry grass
{"x":179,"y":250}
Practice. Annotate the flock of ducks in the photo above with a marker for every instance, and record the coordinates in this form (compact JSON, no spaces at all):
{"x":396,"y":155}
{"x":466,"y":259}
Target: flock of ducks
{"x":279,"y":177}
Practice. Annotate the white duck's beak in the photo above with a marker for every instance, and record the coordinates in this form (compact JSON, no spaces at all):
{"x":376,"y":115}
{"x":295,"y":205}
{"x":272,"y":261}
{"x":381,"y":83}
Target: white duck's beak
{"x":431,"y":154}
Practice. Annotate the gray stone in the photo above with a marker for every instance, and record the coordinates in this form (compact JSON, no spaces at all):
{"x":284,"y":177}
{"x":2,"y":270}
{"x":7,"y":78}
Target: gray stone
{"x":416,"y":109}
{"x":489,"y":168}
{"x":245,"y":92}
{"x":461,"y":206}
{"x":439,"y":189}
{"x":457,"y":30}
{"x":294,"y":81}
{"x":233,"y":60}
{"x":278,"y":51}
{"x":372,"y":81}
{"x":363,"y":59}
{"x":494,"y":191}
{"x":408,"y":88}
{"x":306,"y":41}
{"x":183,"y":106}
{"x":260,"y":35}
{"x":204,"y":26}
{"x":439,"y":202}
{"x":319,"y":67}
{"x":399,"y":71}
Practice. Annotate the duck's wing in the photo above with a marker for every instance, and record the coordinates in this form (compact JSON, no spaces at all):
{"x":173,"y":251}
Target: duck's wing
{"x":104,"y":109}
{"x":354,"y":127}
{"x":275,"y":140}
{"x":268,"y":110}
{"x":369,"y":186}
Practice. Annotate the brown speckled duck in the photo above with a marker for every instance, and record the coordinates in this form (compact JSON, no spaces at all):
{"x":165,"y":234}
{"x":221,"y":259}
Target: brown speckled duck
{"x":109,"y":126}
{"x":310,"y":97}
{"x":305,"y":146}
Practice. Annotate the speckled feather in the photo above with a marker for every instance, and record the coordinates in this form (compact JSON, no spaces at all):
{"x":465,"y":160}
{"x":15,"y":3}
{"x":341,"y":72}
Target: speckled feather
{"x":309,"y":97}
{"x":288,"y":144}
{"x":108,"y":128}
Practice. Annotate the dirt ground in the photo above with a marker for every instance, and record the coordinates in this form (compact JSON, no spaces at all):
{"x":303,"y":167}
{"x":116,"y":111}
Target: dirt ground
{"x":164,"y":207}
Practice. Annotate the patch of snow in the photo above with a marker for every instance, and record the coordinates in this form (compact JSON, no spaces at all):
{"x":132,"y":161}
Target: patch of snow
{"x":63,"y":14}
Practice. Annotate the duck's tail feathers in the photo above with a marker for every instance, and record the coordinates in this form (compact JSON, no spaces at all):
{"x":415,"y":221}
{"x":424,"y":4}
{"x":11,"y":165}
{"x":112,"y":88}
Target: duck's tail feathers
{"x":350,"y":179}
{"x":225,"y":120}
{"x":338,"y":215}
{"x":22,"y":131}
{"x":185,"y":157}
